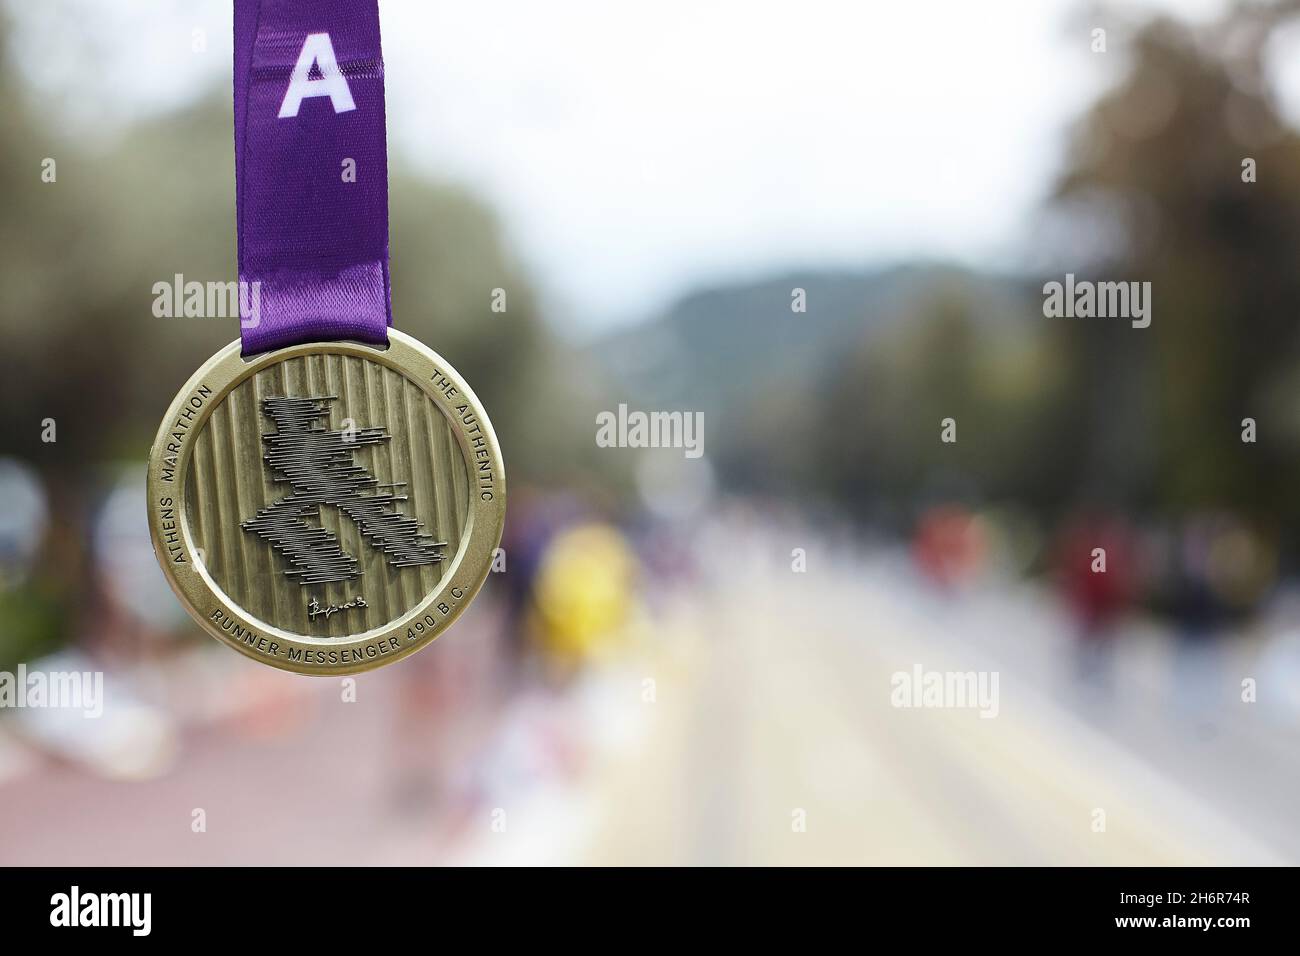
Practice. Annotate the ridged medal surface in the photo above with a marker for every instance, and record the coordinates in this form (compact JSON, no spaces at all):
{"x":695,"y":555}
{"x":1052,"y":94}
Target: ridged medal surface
{"x":365,"y":480}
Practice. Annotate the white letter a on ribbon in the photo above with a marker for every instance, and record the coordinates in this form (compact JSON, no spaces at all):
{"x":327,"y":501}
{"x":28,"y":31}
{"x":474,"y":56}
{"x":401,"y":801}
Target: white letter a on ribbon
{"x":319,"y":51}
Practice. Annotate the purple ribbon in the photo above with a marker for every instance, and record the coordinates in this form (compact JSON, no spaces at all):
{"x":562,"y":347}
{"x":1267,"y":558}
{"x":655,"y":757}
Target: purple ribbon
{"x":311,"y":173}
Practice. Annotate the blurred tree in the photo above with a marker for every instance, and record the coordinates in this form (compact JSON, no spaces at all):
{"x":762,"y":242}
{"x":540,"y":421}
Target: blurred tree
{"x":885,"y":409}
{"x":1156,"y":413}
{"x":1052,"y":412}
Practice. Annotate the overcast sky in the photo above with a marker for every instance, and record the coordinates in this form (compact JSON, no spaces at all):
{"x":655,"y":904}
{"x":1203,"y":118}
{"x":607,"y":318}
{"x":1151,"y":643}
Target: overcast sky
{"x":635,"y":150}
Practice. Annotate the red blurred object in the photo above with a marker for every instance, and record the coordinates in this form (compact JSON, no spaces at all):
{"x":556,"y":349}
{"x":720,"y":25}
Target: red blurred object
{"x":949,"y":545}
{"x":1097,"y":564}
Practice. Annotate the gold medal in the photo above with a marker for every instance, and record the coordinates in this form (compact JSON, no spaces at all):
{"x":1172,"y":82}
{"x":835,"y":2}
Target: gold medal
{"x":326,"y":508}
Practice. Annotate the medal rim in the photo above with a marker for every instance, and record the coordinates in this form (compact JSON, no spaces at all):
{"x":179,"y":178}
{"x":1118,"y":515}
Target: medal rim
{"x":202,"y":597}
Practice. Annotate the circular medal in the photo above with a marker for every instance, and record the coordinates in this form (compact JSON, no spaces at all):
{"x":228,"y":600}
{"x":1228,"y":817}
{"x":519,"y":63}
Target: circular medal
{"x":326,"y":508}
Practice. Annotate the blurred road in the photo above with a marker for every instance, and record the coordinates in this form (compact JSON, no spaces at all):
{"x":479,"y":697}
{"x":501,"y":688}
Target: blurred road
{"x":787,"y":708}
{"x":752,"y":724}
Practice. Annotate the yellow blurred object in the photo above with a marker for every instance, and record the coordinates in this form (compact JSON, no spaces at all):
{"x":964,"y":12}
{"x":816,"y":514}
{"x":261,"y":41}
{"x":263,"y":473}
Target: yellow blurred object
{"x":584,"y":592}
{"x":1241,"y":565}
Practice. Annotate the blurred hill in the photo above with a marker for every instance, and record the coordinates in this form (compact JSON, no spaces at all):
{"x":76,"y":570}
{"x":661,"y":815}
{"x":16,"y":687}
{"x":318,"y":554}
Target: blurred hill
{"x":772,"y":381}
{"x":722,"y":344}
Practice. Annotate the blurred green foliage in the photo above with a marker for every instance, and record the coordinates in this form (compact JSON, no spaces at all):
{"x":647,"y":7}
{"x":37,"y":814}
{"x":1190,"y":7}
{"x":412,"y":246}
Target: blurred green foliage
{"x":1158,"y":412}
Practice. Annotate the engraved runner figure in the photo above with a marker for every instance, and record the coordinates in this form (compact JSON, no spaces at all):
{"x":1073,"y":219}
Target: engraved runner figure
{"x":318,"y":463}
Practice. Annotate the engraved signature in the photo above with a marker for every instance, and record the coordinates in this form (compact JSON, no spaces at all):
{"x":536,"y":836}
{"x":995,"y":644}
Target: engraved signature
{"x":314,"y":610}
